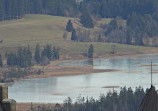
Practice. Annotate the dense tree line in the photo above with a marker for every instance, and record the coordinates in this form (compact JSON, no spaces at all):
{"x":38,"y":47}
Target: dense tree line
{"x":121,"y":8}
{"x":48,"y":54}
{"x":105,"y":8}
{"x":24,"y":57}
{"x":141,"y":16}
{"x":126,"y":100}
{"x":86,"y":18}
{"x":14,"y":9}
{"x":12,"y":74}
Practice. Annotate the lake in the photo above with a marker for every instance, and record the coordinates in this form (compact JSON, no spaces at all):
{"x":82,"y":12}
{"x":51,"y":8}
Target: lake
{"x":132,"y":72}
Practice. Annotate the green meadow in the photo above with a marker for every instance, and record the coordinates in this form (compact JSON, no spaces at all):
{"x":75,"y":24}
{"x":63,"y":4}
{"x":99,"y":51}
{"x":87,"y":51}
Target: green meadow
{"x":45,"y":29}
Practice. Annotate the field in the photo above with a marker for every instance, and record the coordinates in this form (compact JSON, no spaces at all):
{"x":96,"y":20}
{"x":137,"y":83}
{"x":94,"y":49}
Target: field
{"x":45,"y":29}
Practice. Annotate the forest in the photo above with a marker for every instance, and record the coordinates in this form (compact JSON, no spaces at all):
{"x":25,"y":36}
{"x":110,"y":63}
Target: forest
{"x":141,"y":16}
{"x":125,"y":100}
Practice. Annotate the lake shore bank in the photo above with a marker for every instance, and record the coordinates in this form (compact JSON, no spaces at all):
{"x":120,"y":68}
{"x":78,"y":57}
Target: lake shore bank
{"x":54,"y":69}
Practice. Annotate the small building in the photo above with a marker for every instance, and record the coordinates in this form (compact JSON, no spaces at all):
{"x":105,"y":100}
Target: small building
{"x":5,"y":103}
{"x":9,"y":105}
{"x":150,"y":101}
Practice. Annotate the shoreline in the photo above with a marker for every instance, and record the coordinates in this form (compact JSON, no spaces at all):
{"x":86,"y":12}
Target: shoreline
{"x":26,"y":106}
{"x":52,"y":70}
{"x":110,"y":56}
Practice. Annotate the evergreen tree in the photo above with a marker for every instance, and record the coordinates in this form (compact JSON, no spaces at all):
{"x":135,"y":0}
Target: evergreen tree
{"x":86,"y":20}
{"x":129,"y":37}
{"x":69,"y":26}
{"x":90,"y":51}
{"x":37,"y":6}
{"x":20,"y":58}
{"x":24,"y":57}
{"x":1,"y":62}
{"x":11,"y":59}
{"x":28,"y":56}
{"x":37,"y":56}
{"x":112,"y":26}
{"x":47,"y":52}
{"x":55,"y":54}
{"x":99,"y":38}
{"x":21,"y":8}
{"x":74,"y":36}
{"x":14,"y":10}
{"x":1,"y":10}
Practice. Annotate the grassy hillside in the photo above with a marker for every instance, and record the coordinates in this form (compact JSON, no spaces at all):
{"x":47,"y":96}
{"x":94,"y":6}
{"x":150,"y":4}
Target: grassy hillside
{"x":32,"y":29}
{"x":45,"y":29}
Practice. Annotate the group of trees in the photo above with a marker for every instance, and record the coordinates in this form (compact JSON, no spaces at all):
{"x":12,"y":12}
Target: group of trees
{"x":141,"y":20}
{"x":14,"y":9}
{"x":121,"y":8}
{"x":12,"y":74}
{"x":126,"y":100}
{"x":141,"y":15}
{"x":24,"y":57}
{"x":47,"y":54}
{"x":86,"y":18}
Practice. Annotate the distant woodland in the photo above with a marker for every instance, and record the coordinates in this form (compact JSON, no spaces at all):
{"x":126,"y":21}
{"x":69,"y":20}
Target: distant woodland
{"x":126,"y":100}
{"x":141,"y":16}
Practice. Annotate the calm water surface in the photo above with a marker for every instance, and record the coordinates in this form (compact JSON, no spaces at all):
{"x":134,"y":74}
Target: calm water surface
{"x":131,"y":73}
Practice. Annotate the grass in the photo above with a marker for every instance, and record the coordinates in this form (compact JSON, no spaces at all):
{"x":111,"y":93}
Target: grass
{"x":45,"y":29}
{"x":32,"y":29}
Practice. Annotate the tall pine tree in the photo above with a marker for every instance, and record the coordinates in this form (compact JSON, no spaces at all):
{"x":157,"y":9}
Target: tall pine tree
{"x":37,"y":56}
{"x":69,"y":26}
{"x":1,"y":62}
{"x":90,"y":51}
{"x":85,"y":18}
{"x":1,"y":10}
{"x":74,"y":36}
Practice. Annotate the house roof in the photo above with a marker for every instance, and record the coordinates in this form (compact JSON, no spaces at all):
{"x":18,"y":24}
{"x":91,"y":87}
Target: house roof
{"x":150,"y":101}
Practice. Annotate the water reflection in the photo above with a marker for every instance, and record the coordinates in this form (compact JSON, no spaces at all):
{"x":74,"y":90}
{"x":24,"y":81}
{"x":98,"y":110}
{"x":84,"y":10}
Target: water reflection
{"x":131,"y":73}
{"x":90,"y":61}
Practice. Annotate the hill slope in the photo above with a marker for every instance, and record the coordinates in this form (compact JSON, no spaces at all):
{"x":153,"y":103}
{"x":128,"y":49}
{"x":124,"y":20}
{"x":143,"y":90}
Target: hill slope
{"x":45,"y":29}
